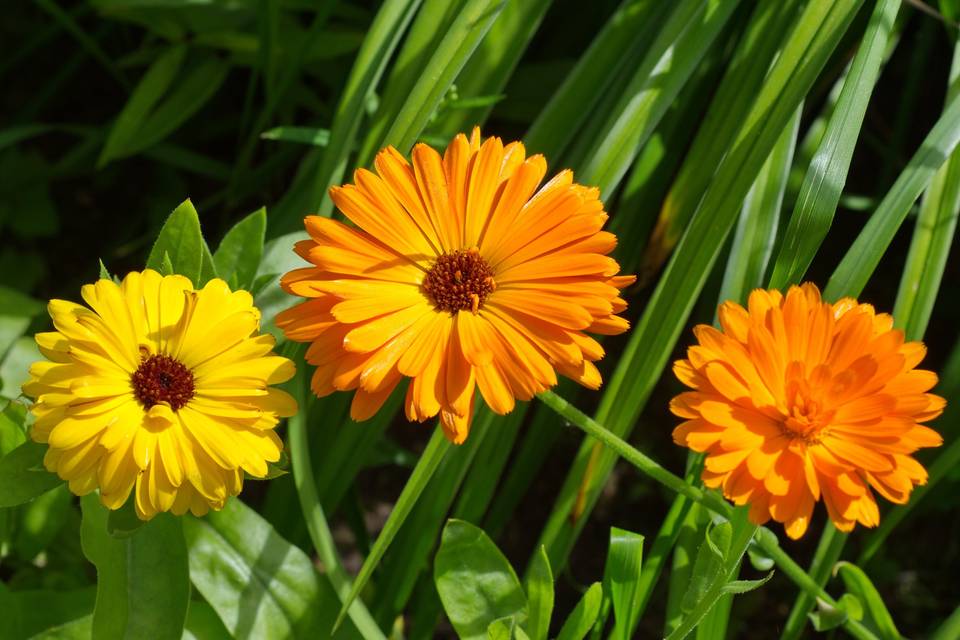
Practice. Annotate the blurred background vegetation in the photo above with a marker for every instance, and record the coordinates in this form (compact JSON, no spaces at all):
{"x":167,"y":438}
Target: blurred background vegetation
{"x":115,"y":111}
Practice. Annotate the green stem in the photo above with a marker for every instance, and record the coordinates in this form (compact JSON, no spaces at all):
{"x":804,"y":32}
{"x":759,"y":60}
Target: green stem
{"x":766,"y":539}
{"x":827,"y":553}
{"x":313,"y":513}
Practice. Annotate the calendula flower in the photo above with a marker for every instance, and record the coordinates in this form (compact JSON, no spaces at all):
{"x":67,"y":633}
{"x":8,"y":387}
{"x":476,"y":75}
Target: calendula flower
{"x":798,"y":399}
{"x":159,"y":390}
{"x":460,"y":273}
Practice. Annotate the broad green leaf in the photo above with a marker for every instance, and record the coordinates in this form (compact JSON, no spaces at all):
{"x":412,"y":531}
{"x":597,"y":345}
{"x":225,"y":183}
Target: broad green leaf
{"x":539,"y":584}
{"x":22,"y":475}
{"x":651,"y":343}
{"x":827,"y":174}
{"x":303,"y":135}
{"x":436,"y":449}
{"x":684,"y":39}
{"x":143,"y":585}
{"x":622,"y":575}
{"x":476,"y":583}
{"x":203,"y":623}
{"x":238,"y":256}
{"x":465,"y":33}
{"x":581,"y":619}
{"x":259,"y":584}
{"x":950,"y":628}
{"x":123,"y":522}
{"x":875,"y":611}
{"x":41,"y":520}
{"x":79,"y":629}
{"x":148,"y":92}
{"x":181,"y":240}
{"x":39,"y":612}
{"x":13,"y":431}
{"x":15,"y":366}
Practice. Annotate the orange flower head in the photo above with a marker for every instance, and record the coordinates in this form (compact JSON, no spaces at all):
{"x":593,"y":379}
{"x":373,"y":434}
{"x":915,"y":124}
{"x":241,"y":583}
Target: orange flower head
{"x":796,"y":398}
{"x":461,"y":271}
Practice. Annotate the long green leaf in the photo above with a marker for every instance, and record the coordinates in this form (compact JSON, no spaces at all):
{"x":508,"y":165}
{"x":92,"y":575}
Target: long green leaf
{"x":823,"y":184}
{"x":143,"y":585}
{"x":624,"y":565}
{"x":539,"y":596}
{"x":684,"y":39}
{"x":458,"y":44}
{"x":436,"y":449}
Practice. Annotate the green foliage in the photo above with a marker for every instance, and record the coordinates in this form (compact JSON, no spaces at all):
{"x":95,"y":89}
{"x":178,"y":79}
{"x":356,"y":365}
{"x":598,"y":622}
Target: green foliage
{"x":476,"y":583}
{"x":736,"y":145}
{"x":143,"y":584}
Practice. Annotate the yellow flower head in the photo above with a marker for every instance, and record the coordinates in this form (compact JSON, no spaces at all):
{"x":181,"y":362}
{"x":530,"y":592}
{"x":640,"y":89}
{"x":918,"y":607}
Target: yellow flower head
{"x":463,"y":272}
{"x":797,"y":398}
{"x":160,"y":388}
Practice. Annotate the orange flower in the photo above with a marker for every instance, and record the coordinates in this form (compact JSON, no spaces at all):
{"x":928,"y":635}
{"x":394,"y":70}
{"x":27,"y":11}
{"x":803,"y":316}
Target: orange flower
{"x":797,"y":398}
{"x":462,"y":274}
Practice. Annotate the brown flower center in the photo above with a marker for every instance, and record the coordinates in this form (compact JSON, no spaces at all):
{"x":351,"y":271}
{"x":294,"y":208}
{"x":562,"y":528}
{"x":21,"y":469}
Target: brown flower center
{"x":162,"y":379}
{"x":461,"y":280}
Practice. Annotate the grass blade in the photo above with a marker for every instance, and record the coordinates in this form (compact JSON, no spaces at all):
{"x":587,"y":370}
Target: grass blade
{"x":827,"y":174}
{"x":436,"y":449}
{"x":681,"y":44}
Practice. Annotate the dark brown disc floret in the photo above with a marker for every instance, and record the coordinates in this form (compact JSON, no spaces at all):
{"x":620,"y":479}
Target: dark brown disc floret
{"x":461,"y":280}
{"x":162,"y":379}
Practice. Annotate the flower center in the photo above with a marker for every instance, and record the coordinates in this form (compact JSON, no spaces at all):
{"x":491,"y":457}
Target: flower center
{"x":806,"y":416}
{"x":461,"y":280}
{"x":162,"y":379}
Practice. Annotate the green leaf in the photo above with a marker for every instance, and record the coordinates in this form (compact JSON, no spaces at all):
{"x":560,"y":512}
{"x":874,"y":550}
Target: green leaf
{"x":13,"y":429}
{"x":436,"y":449}
{"x":41,"y":520}
{"x":238,"y":256}
{"x":679,"y":47}
{"x":876,"y":613}
{"x":14,"y":369}
{"x":143,"y":586}
{"x":864,"y":255}
{"x":465,"y":33}
{"x":476,"y":583}
{"x":37,"y":612}
{"x":259,"y":584}
{"x":22,"y":476}
{"x":581,"y":619}
{"x":827,"y":174}
{"x":622,"y":575}
{"x":203,"y":623}
{"x":104,"y":272}
{"x":152,"y":112}
{"x":151,"y":88}
{"x":828,"y":616}
{"x":303,"y":135}
{"x":79,"y":629}
{"x":123,"y":522}
{"x":745,"y":586}
{"x":539,"y":584}
{"x":181,"y":240}
{"x":506,"y":629}
{"x":16,"y":310}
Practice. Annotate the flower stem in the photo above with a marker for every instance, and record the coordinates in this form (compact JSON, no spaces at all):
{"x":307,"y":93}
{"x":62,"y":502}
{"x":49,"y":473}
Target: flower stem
{"x":767,"y":540}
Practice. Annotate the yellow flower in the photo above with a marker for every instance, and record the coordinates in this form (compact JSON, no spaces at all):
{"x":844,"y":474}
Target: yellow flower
{"x":797,"y":398}
{"x":462,"y":274}
{"x":160,"y":388}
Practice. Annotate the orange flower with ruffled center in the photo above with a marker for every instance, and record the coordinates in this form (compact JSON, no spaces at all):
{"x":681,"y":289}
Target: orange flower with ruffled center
{"x":463,"y":273}
{"x":796,"y":398}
